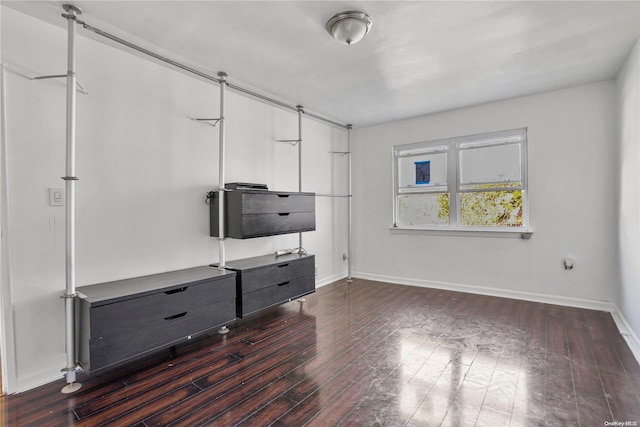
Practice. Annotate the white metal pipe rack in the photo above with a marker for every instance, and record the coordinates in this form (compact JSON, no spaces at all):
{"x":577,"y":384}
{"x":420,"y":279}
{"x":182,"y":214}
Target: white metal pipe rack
{"x":70,"y":206}
{"x":221,"y":174}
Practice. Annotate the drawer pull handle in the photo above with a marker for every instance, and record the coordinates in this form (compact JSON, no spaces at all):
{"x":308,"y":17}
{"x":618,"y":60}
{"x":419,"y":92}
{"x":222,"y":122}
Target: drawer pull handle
{"x":284,"y":283}
{"x":175,"y":291}
{"x":176,"y":316}
{"x":283,"y":265}
{"x":283,"y":213}
{"x":283,"y":195}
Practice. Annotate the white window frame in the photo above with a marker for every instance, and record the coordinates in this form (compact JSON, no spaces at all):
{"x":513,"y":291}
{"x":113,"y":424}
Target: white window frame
{"x":453,"y":148}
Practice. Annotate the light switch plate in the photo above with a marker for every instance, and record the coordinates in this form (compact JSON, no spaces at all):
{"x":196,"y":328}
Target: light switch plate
{"x":56,"y":197}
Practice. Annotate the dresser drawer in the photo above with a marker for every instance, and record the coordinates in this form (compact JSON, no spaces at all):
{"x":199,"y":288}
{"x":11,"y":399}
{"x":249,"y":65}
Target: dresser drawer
{"x":273,"y":203}
{"x":259,"y":225}
{"x":268,"y":280}
{"x":252,"y":302}
{"x":116,"y":318}
{"x":139,"y":338}
{"x":257,"y":213}
{"x":116,"y":321}
{"x":274,"y":274}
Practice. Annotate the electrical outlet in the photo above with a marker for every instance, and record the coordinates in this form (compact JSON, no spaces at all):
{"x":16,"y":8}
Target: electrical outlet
{"x":56,"y":197}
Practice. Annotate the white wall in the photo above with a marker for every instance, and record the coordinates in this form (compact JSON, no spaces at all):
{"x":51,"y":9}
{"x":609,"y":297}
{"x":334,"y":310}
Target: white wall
{"x":629,"y":185}
{"x":572,"y":178}
{"x":144,"y":170}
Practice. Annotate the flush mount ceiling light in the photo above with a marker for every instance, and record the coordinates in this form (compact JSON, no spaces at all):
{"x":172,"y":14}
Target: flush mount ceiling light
{"x":349,"y":27}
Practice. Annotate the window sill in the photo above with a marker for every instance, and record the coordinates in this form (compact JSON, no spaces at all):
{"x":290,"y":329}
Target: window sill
{"x":477,"y":232}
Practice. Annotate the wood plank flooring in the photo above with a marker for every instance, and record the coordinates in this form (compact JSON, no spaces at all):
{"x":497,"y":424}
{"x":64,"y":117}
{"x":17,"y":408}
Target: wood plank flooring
{"x":369,"y":354}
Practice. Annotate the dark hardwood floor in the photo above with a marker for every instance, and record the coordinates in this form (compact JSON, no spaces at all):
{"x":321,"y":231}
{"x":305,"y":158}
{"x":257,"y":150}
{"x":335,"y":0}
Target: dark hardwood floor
{"x":369,"y":354}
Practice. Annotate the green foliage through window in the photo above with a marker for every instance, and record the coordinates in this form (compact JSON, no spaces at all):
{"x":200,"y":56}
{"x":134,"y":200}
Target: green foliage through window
{"x":443,"y":200}
{"x":491,"y":209}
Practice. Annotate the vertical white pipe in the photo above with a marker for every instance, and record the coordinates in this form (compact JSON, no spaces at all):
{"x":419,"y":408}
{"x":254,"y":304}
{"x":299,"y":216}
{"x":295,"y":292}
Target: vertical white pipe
{"x":221,"y":174}
{"x":70,"y":180}
{"x":7,"y":346}
{"x":300,"y":109}
{"x":349,"y":197}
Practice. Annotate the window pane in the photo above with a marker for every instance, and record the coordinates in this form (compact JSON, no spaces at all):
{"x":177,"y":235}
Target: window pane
{"x":423,"y":209}
{"x":494,"y":164}
{"x":424,"y":171}
{"x":491,"y":209}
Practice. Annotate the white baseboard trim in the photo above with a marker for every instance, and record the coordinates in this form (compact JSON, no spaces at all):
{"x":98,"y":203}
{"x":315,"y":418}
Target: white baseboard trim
{"x":623,"y":326}
{"x":494,"y":292}
{"x":38,"y":378}
{"x":627,"y":332}
{"x":327,"y":280}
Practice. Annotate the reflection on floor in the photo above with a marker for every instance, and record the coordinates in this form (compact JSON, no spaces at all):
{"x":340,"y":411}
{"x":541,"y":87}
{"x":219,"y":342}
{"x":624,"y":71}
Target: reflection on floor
{"x":370,"y":354}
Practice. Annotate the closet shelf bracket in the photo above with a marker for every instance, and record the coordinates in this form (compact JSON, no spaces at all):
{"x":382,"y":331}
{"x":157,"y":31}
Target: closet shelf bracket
{"x":59,"y":76}
{"x":293,"y":142}
{"x":211,"y":122}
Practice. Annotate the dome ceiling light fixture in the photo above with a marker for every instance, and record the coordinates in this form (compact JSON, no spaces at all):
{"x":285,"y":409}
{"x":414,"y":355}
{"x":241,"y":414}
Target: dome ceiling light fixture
{"x":349,"y":27}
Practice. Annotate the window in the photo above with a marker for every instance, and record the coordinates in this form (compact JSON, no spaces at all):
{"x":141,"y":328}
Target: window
{"x":475,"y":183}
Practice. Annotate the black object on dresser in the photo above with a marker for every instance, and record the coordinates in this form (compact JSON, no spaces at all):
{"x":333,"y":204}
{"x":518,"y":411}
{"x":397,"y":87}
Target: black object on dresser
{"x":251,"y":212}
{"x":268,"y":280}
{"x":123,"y":319}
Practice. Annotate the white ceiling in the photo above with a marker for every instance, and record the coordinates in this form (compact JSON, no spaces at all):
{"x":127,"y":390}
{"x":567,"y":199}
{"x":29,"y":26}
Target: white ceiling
{"x":420,"y":57}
